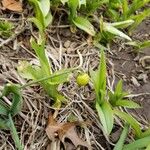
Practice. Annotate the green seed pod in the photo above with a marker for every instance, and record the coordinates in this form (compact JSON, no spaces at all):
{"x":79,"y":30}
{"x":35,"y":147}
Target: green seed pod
{"x":83,"y":79}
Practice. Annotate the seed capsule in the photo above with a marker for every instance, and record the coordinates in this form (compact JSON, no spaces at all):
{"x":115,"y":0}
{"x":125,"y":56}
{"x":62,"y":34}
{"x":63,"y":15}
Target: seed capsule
{"x":83,"y":79}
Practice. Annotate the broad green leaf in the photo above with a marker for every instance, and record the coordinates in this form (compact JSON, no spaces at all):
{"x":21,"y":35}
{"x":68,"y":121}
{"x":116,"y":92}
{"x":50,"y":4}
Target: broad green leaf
{"x":62,"y":77}
{"x":102,"y":72}
{"x":127,"y":103}
{"x":44,"y":5}
{"x":84,"y":24}
{"x":130,"y":120}
{"x":123,"y":136}
{"x":29,"y":71}
{"x":38,"y":12}
{"x":109,"y":28}
{"x":99,"y":79}
{"x":95,"y":79}
{"x":125,"y":7}
{"x":73,"y":5}
{"x":122,"y":24}
{"x":139,"y":45}
{"x":43,"y":58}
{"x":148,"y":147}
{"x":106,"y":116}
{"x":48,"y":19}
{"x":138,"y":144}
{"x":118,"y":88}
{"x":37,"y":23}
{"x":145,"y":133}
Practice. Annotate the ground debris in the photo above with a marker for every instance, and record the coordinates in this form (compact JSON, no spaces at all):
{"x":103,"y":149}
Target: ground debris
{"x":63,"y":131}
{"x":12,"y":5}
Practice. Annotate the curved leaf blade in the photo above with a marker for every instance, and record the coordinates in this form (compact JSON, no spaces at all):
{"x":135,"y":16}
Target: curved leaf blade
{"x":129,"y":119}
{"x":85,"y":25}
{"x":106,"y":116}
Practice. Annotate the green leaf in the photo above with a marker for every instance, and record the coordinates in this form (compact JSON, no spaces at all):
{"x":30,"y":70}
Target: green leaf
{"x":62,"y":77}
{"x":127,"y":103}
{"x":3,"y":108}
{"x":109,"y":28}
{"x":130,"y":120}
{"x":102,"y":78}
{"x":137,"y":4}
{"x":29,"y":71}
{"x":16,"y":98}
{"x":139,"y":18}
{"x":122,"y":24}
{"x":44,"y":5}
{"x":84,"y":24}
{"x":73,"y":5}
{"x":14,"y":134}
{"x":138,"y":144}
{"x":120,"y":143}
{"x":119,"y":87}
{"x":125,"y":7}
{"x":48,"y":19}
{"x":37,"y":23}
{"x":106,"y":116}
{"x":4,"y":124}
{"x":99,"y":79}
{"x":148,"y":147}
{"x":38,"y":12}
{"x":43,"y":58}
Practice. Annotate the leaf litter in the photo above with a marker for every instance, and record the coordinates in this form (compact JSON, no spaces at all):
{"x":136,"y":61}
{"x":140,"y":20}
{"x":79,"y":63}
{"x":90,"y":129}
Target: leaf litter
{"x":63,"y":131}
{"x":12,"y":5}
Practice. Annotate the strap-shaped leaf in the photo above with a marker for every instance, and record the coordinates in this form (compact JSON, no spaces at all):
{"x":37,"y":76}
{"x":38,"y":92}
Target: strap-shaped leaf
{"x":109,"y":28}
{"x":85,"y":25}
{"x":122,"y":138}
{"x":44,"y":6}
{"x":73,"y":5}
{"x":40,"y":52}
{"x":130,"y":120}
{"x":38,"y":13}
{"x":122,"y":24}
{"x":127,"y":103}
{"x":138,"y":144}
{"x":105,"y":113}
{"x":14,"y":134}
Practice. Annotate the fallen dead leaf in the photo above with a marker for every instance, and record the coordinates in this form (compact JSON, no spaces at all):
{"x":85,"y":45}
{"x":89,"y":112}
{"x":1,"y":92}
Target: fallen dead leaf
{"x":64,"y":131}
{"x":12,"y":5}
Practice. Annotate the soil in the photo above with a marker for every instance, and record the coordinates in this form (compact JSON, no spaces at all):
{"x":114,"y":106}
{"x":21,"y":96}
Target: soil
{"x":64,"y":44}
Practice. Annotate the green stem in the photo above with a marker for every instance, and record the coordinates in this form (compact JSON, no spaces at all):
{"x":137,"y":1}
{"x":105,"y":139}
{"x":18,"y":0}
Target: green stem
{"x":46,"y":78}
{"x":14,"y":133}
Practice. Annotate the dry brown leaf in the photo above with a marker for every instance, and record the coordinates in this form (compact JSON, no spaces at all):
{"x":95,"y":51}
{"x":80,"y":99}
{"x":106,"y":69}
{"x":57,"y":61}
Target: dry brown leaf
{"x":12,"y":5}
{"x":63,"y":131}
